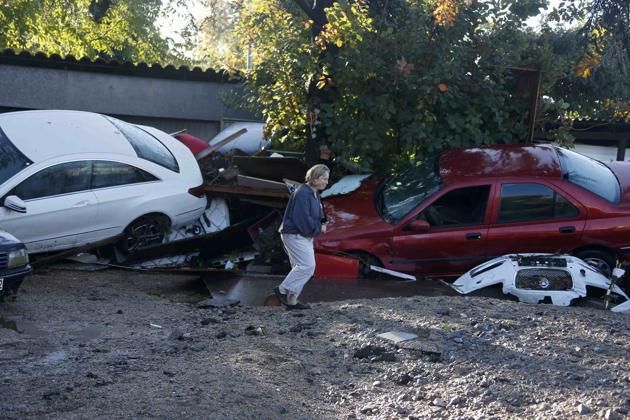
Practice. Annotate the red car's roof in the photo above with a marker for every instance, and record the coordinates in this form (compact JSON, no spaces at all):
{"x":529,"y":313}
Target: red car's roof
{"x":503,"y":160}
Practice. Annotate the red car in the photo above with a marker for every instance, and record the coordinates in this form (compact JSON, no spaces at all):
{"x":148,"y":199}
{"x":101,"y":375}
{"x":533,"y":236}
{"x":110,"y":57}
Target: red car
{"x":444,"y":217}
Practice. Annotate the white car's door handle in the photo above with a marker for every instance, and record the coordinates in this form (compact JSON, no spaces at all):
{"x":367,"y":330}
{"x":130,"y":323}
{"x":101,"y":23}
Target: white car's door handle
{"x":81,"y":203}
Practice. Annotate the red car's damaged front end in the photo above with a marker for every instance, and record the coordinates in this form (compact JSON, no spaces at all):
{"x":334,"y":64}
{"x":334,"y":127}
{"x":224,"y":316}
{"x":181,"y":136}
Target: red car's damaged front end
{"x":354,"y":225}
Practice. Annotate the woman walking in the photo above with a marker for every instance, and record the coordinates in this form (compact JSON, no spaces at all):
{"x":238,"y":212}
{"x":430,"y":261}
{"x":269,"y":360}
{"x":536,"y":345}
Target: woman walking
{"x":303,"y":220}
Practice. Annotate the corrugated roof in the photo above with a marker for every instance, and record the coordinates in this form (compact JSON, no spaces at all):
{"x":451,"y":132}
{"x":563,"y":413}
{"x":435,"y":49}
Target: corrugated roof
{"x":69,"y":62}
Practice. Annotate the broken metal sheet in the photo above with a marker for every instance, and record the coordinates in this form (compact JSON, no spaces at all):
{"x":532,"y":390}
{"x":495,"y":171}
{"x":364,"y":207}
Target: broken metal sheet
{"x":397,"y":336}
{"x":250,"y":142}
{"x":272,"y":168}
{"x":215,"y":218}
{"x":392,"y":273}
{"x":623,"y":307}
{"x":40,"y":262}
{"x":211,"y":148}
{"x":208,"y":245}
{"x":229,"y":261}
{"x":170,"y":261}
{"x":534,"y":277}
{"x":84,"y":258}
{"x":345,"y":185}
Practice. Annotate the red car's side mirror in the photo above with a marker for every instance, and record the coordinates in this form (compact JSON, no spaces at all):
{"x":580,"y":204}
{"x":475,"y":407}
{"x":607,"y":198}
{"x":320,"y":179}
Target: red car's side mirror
{"x":419,"y":225}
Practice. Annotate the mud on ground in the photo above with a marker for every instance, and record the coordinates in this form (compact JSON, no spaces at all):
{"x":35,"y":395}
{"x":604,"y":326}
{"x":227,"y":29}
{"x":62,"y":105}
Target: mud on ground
{"x":116,"y":344}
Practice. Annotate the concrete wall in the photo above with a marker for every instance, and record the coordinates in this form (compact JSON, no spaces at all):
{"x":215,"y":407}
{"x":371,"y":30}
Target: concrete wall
{"x":167,"y":104}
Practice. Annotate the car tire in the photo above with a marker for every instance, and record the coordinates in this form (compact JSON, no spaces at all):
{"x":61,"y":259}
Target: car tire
{"x":602,"y":260}
{"x":143,"y":232}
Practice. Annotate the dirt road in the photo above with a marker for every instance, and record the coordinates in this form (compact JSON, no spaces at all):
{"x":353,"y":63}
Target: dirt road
{"x":115,"y":344}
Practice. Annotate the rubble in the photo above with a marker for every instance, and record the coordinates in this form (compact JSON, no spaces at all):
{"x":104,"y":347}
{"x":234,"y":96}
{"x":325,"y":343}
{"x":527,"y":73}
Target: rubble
{"x":238,"y":360}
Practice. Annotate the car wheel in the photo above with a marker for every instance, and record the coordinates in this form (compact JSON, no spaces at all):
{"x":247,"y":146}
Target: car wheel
{"x":143,"y":232}
{"x":601,"y":260}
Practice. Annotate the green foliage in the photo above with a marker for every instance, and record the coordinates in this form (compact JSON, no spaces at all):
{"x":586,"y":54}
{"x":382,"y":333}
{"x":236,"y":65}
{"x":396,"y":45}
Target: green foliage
{"x":220,"y":46}
{"x":119,"y":29}
{"x":593,"y":59}
{"x":398,"y":80}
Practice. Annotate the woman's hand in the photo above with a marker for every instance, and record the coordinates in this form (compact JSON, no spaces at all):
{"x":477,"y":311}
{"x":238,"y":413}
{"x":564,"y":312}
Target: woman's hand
{"x":323,"y":228}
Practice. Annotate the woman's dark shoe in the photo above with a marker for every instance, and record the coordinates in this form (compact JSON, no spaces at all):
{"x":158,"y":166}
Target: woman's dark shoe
{"x":281,"y":296}
{"x":298,"y":306}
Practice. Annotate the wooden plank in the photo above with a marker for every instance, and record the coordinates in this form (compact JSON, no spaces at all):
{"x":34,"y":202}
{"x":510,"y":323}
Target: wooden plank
{"x":244,"y":191}
{"x":260,"y":183}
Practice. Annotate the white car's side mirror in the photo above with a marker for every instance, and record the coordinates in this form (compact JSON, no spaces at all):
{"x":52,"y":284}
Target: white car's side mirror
{"x":15,"y":203}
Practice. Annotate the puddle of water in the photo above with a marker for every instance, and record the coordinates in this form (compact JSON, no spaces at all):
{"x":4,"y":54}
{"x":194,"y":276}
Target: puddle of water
{"x":55,"y":357}
{"x":186,"y":291}
{"x":89,"y":333}
{"x":21,"y":326}
{"x":252,"y":290}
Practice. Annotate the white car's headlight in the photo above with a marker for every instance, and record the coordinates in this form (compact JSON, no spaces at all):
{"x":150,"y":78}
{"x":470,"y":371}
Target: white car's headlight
{"x":17,"y":258}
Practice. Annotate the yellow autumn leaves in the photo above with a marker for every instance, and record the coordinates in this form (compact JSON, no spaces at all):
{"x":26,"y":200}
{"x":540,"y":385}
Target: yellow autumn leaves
{"x":445,"y":12}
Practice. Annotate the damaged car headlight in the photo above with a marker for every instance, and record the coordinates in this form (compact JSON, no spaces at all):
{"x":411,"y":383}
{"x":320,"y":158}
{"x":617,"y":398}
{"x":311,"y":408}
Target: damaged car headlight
{"x":17,"y":258}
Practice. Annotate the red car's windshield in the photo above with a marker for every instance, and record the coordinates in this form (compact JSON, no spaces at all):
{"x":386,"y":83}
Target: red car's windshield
{"x":401,"y":193}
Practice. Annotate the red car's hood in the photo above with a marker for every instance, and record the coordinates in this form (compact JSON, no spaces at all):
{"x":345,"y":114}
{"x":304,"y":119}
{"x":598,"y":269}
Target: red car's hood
{"x":353,"y":215}
{"x":622,"y":172}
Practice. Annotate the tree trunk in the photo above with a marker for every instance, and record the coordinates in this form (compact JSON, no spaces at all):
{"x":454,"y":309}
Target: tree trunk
{"x":316,"y":133}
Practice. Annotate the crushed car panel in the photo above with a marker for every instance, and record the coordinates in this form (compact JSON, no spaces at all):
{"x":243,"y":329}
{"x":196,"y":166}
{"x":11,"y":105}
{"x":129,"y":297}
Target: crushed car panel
{"x":345,"y":185}
{"x":534,"y":277}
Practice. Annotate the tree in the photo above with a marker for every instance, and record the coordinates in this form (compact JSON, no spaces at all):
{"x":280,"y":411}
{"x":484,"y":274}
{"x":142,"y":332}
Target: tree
{"x":112,"y":29}
{"x":594,"y":81}
{"x":220,"y":46}
{"x":401,"y":78}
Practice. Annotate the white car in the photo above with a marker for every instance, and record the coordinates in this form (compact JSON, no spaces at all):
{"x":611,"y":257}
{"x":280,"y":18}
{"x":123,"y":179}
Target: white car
{"x":69,"y":178}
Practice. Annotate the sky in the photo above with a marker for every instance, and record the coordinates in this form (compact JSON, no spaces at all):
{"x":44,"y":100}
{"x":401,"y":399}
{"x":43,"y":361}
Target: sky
{"x":171,"y":26}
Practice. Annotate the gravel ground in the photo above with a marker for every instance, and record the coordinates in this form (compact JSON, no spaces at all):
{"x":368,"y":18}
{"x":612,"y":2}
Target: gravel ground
{"x":114,"y":344}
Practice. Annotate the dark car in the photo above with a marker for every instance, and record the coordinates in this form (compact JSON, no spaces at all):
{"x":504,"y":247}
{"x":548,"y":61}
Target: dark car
{"x":13,"y":264}
{"x":444,"y":217}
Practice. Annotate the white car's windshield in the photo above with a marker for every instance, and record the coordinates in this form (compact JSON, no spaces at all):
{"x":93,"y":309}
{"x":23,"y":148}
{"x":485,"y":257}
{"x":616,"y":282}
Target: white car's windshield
{"x":12,"y":160}
{"x":401,"y":193}
{"x":589,"y":174}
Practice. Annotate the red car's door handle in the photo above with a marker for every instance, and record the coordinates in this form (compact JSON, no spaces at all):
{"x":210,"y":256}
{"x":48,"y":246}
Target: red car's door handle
{"x":567,"y":229}
{"x":473,"y":236}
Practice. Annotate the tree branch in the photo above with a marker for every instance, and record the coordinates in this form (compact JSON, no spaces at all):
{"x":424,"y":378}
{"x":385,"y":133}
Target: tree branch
{"x":308,"y":10}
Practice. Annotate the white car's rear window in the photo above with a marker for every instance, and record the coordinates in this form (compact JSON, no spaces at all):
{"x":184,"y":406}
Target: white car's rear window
{"x":146,"y":146}
{"x":12,"y":160}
